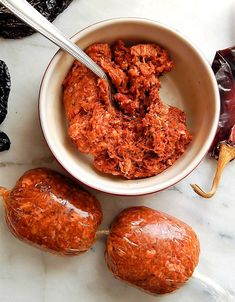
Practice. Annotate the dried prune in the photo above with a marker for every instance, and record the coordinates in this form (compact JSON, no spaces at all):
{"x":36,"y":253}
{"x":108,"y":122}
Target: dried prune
{"x":4,"y":142}
{"x":13,"y":28}
{"x":5,"y":85}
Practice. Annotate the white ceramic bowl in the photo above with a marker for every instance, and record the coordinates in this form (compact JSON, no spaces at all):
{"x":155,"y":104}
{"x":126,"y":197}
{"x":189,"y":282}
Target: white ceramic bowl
{"x":190,"y":86}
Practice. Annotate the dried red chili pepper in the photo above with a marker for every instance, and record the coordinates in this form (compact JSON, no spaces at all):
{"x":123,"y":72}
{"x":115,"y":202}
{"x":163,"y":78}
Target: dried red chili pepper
{"x":49,"y":211}
{"x":223,"y":147}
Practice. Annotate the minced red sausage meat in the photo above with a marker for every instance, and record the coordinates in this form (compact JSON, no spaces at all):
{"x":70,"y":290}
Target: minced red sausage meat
{"x":139,"y":137}
{"x":151,"y":250}
{"x":49,"y":211}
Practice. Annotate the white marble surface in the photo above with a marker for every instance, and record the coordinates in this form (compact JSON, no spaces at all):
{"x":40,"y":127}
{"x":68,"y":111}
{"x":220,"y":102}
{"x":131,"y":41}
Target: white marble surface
{"x":29,"y":275}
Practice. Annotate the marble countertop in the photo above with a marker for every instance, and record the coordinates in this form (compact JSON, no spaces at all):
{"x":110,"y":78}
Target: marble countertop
{"x":29,"y":275}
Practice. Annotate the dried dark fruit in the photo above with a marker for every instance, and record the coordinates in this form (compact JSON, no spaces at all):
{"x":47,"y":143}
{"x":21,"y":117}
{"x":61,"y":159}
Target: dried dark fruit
{"x":13,"y":28}
{"x":223,"y":147}
{"x":4,"y":142}
{"x":5,"y":85}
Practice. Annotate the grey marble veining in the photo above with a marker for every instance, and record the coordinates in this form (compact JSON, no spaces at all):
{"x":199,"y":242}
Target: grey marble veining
{"x":29,"y":275}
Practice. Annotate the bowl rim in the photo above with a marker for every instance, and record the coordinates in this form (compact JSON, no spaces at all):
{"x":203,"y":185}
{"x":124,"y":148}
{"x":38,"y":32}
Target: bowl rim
{"x":198,"y":158}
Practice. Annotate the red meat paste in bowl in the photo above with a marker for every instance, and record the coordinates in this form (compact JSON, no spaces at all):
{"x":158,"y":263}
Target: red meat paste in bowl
{"x":140,"y":136}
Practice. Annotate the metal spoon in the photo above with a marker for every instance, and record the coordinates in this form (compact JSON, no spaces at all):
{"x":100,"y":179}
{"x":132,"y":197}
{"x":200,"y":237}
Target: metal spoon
{"x":26,"y":12}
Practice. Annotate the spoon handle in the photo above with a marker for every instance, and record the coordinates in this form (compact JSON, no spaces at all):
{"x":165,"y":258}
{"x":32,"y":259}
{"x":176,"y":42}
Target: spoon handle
{"x":26,"y":12}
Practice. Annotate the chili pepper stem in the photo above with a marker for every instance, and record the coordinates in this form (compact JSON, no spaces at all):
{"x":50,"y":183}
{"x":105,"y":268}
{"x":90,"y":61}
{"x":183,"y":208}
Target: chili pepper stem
{"x":102,"y":233}
{"x":227,"y":153}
